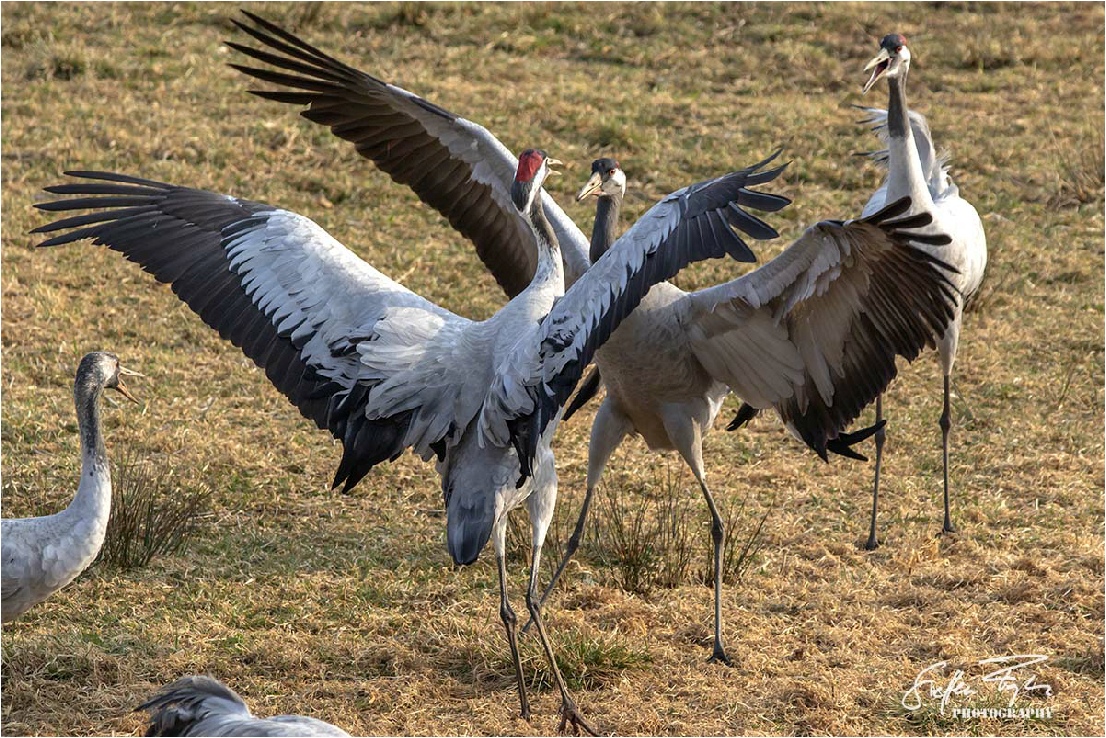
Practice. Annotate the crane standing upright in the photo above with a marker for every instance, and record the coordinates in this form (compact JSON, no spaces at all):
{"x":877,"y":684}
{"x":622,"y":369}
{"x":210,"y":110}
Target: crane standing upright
{"x":915,"y":170}
{"x":41,"y":555}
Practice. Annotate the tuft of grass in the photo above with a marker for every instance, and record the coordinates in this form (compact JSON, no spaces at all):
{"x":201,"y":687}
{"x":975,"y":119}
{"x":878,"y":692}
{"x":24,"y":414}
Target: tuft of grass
{"x":642,"y":539}
{"x":151,"y":515}
{"x":587,"y":661}
{"x":743,"y":542}
{"x":661,"y":539}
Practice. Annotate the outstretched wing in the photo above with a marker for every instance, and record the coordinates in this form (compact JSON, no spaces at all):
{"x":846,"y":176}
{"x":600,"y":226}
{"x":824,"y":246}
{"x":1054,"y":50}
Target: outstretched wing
{"x":698,"y":222}
{"x":814,"y":333}
{"x":453,"y":165}
{"x":326,"y":327}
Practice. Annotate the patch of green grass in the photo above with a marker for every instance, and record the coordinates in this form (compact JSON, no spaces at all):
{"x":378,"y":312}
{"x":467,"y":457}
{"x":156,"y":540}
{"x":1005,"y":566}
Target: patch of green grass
{"x":591,"y":661}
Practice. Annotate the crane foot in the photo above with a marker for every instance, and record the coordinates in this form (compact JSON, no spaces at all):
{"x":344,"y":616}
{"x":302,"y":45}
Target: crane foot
{"x":570,"y":715}
{"x":719,"y":656}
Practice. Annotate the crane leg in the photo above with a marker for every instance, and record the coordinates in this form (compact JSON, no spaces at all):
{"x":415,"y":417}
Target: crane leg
{"x":570,"y":713}
{"x":718,"y":534}
{"x":607,"y":433}
{"x":509,"y":621}
{"x":946,"y":426}
{"x":881,"y":435}
{"x":685,"y":435}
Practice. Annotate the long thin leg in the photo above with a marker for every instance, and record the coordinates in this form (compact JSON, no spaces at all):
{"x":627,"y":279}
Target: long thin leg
{"x":881,"y":436}
{"x":683,"y":431}
{"x":607,"y":432}
{"x":570,"y":549}
{"x":509,"y":622}
{"x":946,"y":425}
{"x":570,"y":713}
{"x":718,"y":534}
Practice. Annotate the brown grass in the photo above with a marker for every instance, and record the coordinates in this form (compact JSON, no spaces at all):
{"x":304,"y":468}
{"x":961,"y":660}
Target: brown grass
{"x":346,"y":607}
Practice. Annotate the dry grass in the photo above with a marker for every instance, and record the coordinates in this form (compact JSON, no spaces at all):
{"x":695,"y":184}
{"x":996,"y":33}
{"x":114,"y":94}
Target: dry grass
{"x":346,"y":607}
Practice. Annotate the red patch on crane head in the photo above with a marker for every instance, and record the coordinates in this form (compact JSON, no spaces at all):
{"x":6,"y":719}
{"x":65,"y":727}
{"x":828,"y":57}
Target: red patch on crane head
{"x":529,"y":162}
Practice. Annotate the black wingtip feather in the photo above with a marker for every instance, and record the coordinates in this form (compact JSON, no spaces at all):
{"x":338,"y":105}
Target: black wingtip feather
{"x":842,"y":445}
{"x":745,"y":413}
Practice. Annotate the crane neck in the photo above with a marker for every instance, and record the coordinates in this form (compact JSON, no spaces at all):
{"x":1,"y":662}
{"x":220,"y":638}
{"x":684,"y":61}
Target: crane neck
{"x":605,"y":231}
{"x":904,"y":165}
{"x":550,"y":268}
{"x":93,"y":497}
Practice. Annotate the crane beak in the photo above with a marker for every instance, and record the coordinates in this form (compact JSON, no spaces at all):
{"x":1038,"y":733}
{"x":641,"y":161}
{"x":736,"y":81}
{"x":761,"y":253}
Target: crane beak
{"x":595,"y":181}
{"x":878,"y":66}
{"x":550,"y":163}
{"x":122,"y":388}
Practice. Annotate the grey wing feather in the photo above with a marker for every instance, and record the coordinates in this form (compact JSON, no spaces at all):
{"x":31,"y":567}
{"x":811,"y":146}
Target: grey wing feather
{"x":934,"y":164}
{"x":204,"y":706}
{"x":452,"y":164}
{"x":266,"y":278}
{"x":815,"y":332}
{"x":698,"y":222}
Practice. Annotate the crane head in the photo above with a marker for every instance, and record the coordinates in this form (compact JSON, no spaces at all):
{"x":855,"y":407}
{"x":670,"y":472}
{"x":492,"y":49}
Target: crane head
{"x":607,"y":178}
{"x":893,"y":60}
{"x":103,"y":368}
{"x":533,"y":169}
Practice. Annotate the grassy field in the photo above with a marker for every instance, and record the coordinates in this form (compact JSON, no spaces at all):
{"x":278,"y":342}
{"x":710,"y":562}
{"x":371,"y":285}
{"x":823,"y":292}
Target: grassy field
{"x":346,"y":607}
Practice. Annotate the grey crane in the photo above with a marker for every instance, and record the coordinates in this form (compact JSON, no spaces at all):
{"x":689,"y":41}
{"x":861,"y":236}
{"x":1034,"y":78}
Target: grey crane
{"x":41,"y":555}
{"x":399,"y":131}
{"x":915,"y":169}
{"x":384,"y":369}
{"x":204,"y":706}
{"x":798,"y":328}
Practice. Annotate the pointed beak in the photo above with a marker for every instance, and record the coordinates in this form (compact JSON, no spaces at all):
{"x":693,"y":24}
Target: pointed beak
{"x":550,"y":163}
{"x":595,"y":181}
{"x":122,"y":388}
{"x":878,"y":66}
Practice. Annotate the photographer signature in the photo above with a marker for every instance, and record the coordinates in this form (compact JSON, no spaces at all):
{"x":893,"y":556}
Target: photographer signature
{"x":931,"y":681}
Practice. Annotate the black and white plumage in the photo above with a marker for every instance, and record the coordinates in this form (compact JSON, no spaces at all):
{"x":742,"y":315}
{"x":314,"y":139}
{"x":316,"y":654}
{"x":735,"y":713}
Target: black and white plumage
{"x":915,"y":169}
{"x":41,"y":555}
{"x":384,"y":369}
{"x":386,"y":122}
{"x":452,"y":164}
{"x":204,"y":706}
